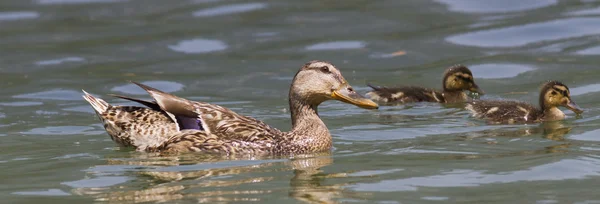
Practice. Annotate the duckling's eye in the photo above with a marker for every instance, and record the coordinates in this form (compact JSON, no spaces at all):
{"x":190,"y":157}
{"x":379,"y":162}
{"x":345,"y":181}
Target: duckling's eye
{"x":554,"y":93}
{"x":325,"y":69}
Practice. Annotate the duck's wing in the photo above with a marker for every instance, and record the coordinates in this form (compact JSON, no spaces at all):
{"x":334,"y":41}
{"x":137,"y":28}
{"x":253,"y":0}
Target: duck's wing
{"x":214,"y":119}
{"x":504,"y":111}
{"x":405,"y":94}
{"x":183,"y":122}
{"x":133,"y":126}
{"x":201,"y":141}
{"x":149,"y":104}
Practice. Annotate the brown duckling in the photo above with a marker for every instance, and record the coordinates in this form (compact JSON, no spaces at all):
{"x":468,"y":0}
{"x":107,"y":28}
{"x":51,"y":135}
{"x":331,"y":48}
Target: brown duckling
{"x":174,"y":124}
{"x":552,"y":95}
{"x":456,"y":80}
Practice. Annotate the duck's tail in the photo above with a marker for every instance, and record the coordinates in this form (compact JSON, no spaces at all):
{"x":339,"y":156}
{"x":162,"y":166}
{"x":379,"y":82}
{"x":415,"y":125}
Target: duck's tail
{"x":99,"y":105}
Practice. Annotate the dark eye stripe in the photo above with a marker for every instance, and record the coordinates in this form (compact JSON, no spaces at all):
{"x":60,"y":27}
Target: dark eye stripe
{"x":465,"y":78}
{"x":563,"y":92}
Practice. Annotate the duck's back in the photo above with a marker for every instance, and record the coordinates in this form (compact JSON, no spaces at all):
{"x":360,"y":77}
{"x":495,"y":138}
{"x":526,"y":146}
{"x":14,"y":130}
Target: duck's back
{"x":407,"y":94}
{"x":506,"y":112}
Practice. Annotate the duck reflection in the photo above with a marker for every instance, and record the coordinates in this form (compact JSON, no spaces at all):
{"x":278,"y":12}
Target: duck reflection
{"x":227,"y":184}
{"x":555,"y":130}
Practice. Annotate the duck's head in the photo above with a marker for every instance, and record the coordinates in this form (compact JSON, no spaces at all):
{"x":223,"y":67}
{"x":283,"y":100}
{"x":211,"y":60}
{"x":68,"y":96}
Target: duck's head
{"x":460,"y":78}
{"x":319,"y":81}
{"x":554,"y":94}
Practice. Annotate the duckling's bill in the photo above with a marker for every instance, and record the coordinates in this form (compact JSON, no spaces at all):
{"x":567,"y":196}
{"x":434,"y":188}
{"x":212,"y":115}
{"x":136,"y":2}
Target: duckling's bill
{"x":347,"y":95}
{"x":475,"y":89}
{"x":574,"y":107}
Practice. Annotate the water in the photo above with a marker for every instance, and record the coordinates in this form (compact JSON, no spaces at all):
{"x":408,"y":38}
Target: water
{"x":243,"y":54}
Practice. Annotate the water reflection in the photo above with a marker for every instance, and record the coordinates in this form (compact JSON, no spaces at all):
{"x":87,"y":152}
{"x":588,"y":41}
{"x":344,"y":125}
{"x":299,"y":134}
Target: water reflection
{"x":555,"y":130}
{"x":173,"y":182}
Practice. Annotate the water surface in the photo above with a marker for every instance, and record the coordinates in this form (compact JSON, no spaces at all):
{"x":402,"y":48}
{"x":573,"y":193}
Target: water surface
{"x":243,"y":54}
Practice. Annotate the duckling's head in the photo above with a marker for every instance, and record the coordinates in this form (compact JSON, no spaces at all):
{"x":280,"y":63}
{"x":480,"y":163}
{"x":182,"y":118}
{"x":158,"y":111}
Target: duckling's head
{"x":319,"y":81}
{"x":460,"y":78}
{"x":554,"y":94}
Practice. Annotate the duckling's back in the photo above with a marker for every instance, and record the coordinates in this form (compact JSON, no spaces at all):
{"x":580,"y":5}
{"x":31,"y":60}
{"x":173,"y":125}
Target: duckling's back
{"x":406,"y":94}
{"x":505,"y":112}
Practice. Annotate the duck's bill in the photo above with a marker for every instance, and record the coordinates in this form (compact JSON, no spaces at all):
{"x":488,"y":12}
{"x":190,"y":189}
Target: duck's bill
{"x":353,"y":98}
{"x":476,"y":89}
{"x":574,"y":107}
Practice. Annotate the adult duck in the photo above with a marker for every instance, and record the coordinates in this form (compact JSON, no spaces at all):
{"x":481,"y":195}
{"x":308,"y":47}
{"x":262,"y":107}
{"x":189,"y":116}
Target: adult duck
{"x":174,"y":124}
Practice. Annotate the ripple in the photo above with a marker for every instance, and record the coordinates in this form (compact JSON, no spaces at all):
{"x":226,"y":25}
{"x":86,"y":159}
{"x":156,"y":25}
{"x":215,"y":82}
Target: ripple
{"x":81,"y":109}
{"x":59,"y":61}
{"x":436,"y":198}
{"x":58,"y":130}
{"x":22,"y":103}
{"x":103,"y":181}
{"x":585,"y":89}
{"x":497,"y":71}
{"x":408,"y":132}
{"x":337,"y":45}
{"x":422,"y":151}
{"x":589,"y":51}
{"x":196,"y":46}
{"x":80,"y":155}
{"x":561,"y":170}
{"x":49,"y":2}
{"x":529,"y":33}
{"x":56,"y":94}
{"x":375,"y":172}
{"x":49,"y":192}
{"x":165,"y":86}
{"x":593,"y":11}
{"x":494,"y":6}
{"x":593,"y":135}
{"x":18,"y":15}
{"x":229,"y":9}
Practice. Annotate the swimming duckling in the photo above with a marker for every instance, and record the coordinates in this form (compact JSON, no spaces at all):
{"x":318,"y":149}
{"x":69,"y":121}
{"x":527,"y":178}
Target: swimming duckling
{"x":457,"y":79}
{"x":552,"y":95}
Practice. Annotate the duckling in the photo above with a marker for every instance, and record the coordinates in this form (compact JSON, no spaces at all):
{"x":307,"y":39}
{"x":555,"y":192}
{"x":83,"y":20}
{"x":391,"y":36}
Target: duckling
{"x":552,"y":95}
{"x":456,"y":80}
{"x":174,"y":125}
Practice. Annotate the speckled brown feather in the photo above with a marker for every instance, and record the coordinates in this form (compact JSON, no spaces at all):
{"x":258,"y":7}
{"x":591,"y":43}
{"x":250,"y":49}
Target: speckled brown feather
{"x":552,"y":95}
{"x":217,"y":120}
{"x":505,"y":112}
{"x":408,"y":94}
{"x":133,"y":126}
{"x":224,"y":131}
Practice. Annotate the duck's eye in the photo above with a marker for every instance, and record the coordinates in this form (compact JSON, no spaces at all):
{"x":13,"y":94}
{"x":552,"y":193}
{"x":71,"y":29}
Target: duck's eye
{"x":554,"y":93}
{"x":324,"y":69}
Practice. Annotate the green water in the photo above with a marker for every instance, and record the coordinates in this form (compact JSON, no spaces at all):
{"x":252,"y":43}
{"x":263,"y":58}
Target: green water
{"x":243,"y":54}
